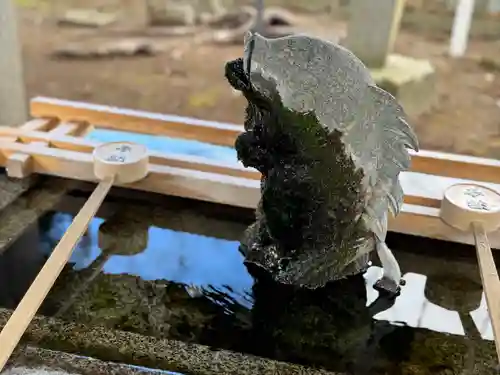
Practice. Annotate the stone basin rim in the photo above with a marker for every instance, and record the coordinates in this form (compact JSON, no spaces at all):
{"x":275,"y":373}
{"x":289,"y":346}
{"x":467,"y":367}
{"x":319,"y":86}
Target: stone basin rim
{"x":152,"y":352}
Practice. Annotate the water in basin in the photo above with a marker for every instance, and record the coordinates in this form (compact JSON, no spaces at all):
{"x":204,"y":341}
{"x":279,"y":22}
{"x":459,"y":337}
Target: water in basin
{"x":172,"y":270}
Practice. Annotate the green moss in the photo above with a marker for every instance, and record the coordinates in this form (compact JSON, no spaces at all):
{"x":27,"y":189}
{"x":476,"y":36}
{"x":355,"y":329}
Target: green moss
{"x":156,"y":308}
{"x":318,"y":196}
{"x":435,"y":353}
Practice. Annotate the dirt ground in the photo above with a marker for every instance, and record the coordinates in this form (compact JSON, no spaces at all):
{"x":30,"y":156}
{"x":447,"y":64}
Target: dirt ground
{"x":187,"y":78}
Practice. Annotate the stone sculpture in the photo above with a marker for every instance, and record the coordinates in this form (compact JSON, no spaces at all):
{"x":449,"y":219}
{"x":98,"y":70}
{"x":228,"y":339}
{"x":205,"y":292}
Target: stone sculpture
{"x":330,"y":145}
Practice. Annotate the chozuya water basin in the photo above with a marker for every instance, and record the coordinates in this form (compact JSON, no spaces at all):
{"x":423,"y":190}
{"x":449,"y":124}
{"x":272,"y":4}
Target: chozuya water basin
{"x":166,"y":268}
{"x":163,"y":283}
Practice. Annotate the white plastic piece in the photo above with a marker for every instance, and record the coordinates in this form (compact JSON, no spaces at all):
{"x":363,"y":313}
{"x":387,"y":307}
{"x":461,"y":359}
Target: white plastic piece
{"x":126,"y":161}
{"x":464,"y":204}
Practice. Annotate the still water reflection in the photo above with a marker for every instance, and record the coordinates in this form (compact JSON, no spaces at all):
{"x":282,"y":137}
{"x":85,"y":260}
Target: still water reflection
{"x":195,"y":288}
{"x":199,"y":262}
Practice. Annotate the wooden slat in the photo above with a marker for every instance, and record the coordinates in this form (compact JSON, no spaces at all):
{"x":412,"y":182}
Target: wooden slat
{"x":19,"y":165}
{"x":184,"y":161}
{"x":40,"y":124}
{"x":426,"y":222}
{"x":420,"y":189}
{"x":66,"y":128}
{"x":234,"y":191}
{"x":217,"y":188}
{"x":174,"y":160}
{"x":456,"y":166}
{"x":429,"y":162}
{"x":136,"y":121}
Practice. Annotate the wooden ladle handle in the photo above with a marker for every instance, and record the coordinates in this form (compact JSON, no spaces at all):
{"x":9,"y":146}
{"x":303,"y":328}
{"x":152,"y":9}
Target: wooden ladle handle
{"x":34,"y":297}
{"x":489,"y":277}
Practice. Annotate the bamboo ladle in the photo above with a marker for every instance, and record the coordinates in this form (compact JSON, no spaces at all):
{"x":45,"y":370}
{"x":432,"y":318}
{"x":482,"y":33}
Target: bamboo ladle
{"x":115,"y":162}
{"x":472,"y":207}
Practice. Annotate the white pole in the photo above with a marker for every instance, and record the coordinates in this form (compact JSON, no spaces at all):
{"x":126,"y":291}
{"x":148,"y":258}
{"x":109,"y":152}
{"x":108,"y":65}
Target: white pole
{"x":13,"y":105}
{"x":461,"y":27}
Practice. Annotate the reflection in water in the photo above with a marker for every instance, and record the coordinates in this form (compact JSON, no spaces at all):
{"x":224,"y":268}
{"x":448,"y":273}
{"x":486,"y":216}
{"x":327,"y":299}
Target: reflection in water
{"x":207,"y":263}
{"x":194,"y":288}
{"x":414,"y":309}
{"x":482,"y":319}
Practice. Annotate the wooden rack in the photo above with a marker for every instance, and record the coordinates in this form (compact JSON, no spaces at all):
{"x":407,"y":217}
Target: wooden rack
{"x":54,"y":143}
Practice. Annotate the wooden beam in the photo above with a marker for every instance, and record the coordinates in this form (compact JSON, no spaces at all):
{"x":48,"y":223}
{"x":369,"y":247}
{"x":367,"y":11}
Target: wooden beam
{"x":40,"y":124}
{"x":425,"y":222}
{"x":20,"y":165}
{"x":66,"y":128}
{"x":235,"y":191}
{"x":136,"y":121}
{"x":231,"y":183}
{"x":174,"y":160}
{"x":455,"y":166}
{"x":217,"y":188}
{"x":423,"y":190}
{"x":428,"y":162}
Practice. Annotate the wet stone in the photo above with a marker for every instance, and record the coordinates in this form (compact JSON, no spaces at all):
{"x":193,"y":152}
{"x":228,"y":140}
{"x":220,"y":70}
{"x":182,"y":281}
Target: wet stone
{"x":19,"y":208}
{"x":33,"y":360}
{"x":11,"y":189}
{"x":330,"y":145}
{"x":141,"y":350}
{"x":34,"y":371}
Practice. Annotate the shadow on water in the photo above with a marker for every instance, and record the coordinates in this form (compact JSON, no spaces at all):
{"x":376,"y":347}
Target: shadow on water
{"x":177,"y":273}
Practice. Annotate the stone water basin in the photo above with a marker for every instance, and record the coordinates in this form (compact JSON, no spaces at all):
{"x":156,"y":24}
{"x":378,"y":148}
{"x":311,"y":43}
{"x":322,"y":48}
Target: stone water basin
{"x":159,"y":282}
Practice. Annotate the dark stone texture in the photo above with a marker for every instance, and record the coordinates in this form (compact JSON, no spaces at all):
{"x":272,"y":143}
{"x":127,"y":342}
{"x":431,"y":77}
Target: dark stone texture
{"x":33,"y":357}
{"x":131,"y":348}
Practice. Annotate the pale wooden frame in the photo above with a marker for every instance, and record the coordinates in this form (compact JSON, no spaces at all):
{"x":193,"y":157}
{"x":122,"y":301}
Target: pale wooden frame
{"x":52,"y":144}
